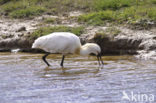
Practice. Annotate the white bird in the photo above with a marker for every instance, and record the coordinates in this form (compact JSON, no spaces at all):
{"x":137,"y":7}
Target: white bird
{"x":65,"y":43}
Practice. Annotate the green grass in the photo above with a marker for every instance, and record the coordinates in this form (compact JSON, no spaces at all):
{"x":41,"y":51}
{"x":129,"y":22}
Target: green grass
{"x":110,"y":32}
{"x":47,"y":30}
{"x":25,"y":8}
{"x":98,"y":12}
{"x":152,"y":13}
{"x":22,"y":9}
{"x":51,"y":20}
{"x":97,"y":18}
{"x":130,"y":15}
{"x":111,"y":4}
{"x":62,"y":6}
{"x":27,"y":12}
{"x":12,"y":6}
{"x":134,"y":14}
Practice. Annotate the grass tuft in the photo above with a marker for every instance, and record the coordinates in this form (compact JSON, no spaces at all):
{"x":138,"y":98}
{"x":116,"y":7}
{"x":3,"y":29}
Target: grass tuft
{"x":111,"y":4}
{"x":27,"y":13}
{"x":110,"y":32}
{"x":152,"y":13}
{"x":97,"y":18}
{"x":47,"y":30}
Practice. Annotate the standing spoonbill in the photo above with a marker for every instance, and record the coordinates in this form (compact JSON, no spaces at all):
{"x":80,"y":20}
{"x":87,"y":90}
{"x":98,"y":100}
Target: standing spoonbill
{"x":65,"y":43}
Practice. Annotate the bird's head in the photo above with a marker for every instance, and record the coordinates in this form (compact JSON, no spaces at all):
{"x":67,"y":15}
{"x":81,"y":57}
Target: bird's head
{"x":91,"y":49}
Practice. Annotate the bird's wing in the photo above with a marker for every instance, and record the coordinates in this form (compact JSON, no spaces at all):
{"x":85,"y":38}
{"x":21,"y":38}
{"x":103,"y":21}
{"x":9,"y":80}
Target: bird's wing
{"x":60,"y":43}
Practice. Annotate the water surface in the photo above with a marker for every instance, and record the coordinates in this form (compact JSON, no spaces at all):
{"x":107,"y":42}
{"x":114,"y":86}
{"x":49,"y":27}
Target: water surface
{"x":25,"y":78}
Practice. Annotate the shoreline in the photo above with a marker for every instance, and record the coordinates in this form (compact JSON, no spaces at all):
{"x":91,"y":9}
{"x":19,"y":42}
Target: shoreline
{"x":14,"y":34}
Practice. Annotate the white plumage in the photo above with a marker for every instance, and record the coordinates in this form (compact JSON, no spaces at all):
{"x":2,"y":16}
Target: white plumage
{"x":58,"y":42}
{"x":65,"y":43}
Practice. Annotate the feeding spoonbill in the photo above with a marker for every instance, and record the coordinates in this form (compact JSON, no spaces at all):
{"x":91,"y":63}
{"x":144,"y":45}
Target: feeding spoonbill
{"x":65,"y":43}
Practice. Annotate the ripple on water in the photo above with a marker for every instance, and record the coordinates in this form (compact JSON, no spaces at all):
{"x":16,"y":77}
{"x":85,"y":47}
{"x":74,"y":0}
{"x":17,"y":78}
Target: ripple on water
{"x":26,"y":79}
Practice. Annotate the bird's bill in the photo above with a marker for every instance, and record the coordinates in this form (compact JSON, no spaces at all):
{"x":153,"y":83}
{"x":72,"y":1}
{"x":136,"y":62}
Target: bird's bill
{"x":100,"y":59}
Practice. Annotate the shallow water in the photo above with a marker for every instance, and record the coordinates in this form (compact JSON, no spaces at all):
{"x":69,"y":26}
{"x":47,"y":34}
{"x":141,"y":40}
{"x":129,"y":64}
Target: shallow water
{"x":24,"y":78}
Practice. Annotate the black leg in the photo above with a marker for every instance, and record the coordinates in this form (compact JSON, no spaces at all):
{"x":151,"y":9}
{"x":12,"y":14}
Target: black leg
{"x":101,"y":59}
{"x":44,"y":58}
{"x":62,"y":60}
{"x":98,"y":60}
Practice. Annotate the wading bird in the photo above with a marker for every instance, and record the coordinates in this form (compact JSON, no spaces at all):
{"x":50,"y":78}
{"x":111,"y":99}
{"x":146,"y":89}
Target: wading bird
{"x":65,"y":43}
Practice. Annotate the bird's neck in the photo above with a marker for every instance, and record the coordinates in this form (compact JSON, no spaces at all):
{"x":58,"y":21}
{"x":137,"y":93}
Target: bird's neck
{"x":84,"y":51}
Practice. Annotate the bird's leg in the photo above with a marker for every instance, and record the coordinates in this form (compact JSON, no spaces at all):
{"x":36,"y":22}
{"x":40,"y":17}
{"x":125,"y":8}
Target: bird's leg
{"x":101,"y":59}
{"x":44,"y":58}
{"x":98,"y":59}
{"x":62,"y":60}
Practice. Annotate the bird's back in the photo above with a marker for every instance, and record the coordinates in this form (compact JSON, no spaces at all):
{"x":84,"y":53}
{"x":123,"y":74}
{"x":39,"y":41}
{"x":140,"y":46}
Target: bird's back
{"x":58,"y":42}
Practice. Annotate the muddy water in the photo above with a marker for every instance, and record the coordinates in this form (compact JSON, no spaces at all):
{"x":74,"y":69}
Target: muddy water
{"x":24,"y":78}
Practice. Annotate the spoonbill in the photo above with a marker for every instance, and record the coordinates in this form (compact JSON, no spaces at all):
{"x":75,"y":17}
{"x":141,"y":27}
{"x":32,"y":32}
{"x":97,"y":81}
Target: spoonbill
{"x":66,"y":43}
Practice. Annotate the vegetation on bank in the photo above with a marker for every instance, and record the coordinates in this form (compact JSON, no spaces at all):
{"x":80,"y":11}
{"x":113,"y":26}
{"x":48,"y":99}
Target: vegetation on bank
{"x":132,"y":15}
{"x":98,"y":12}
{"x":47,"y":30}
{"x":109,"y":32}
{"x":133,"y":12}
{"x":26,"y":8}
